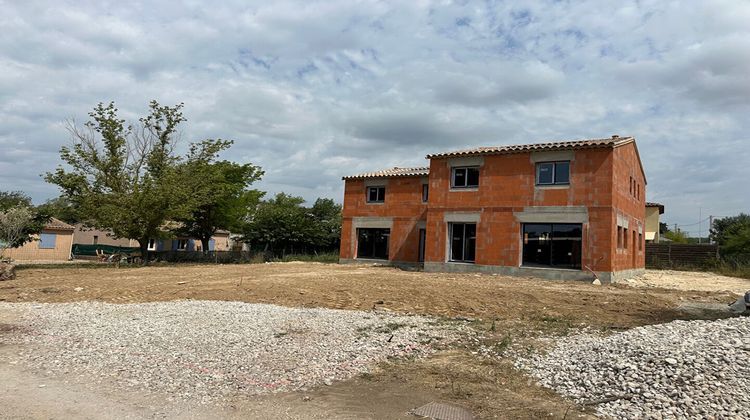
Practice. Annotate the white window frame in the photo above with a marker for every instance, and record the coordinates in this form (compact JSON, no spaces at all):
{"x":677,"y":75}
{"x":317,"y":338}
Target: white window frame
{"x":151,"y":246}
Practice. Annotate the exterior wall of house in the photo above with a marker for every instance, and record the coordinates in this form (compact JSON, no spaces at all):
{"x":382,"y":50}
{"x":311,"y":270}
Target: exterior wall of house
{"x":507,"y":197}
{"x":402,"y":211}
{"x":629,"y":205}
{"x":218,"y":242}
{"x":652,"y":222}
{"x":31,"y":251}
{"x":86,"y":236}
{"x":607,"y":189}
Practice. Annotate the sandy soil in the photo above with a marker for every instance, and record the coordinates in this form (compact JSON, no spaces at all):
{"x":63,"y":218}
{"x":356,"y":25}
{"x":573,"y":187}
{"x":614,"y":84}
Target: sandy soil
{"x":508,"y":309}
{"x":690,"y":280}
{"x":358,"y":287}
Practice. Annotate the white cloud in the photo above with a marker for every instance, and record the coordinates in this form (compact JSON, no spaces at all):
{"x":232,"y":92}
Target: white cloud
{"x":316,"y":90}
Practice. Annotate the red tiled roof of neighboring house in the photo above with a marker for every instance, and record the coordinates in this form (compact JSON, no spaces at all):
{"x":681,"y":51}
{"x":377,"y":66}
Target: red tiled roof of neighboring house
{"x":58,"y":224}
{"x":613,"y":141}
{"x":392,"y":173}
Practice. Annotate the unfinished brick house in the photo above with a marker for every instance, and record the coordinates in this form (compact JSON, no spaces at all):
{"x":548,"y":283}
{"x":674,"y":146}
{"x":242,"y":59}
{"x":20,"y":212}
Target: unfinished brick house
{"x":562,"y":210}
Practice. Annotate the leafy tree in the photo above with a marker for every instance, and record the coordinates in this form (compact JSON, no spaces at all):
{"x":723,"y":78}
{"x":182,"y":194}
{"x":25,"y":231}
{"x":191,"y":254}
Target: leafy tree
{"x":15,"y":223}
{"x":326,"y":223}
{"x":283,"y":224}
{"x":126,"y":178}
{"x":280,"y":225}
{"x":678,"y":237}
{"x":61,"y":208}
{"x":732,"y":234}
{"x":221,"y":190}
{"x":17,"y":212}
{"x":10,"y":199}
{"x":663,"y":228}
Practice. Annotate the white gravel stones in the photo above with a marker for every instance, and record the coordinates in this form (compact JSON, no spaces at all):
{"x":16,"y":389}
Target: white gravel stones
{"x":206,"y":350}
{"x":683,"y":369}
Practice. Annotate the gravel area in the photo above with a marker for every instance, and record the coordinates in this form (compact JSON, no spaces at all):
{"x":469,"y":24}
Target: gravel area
{"x":207,"y":350}
{"x":683,"y":369}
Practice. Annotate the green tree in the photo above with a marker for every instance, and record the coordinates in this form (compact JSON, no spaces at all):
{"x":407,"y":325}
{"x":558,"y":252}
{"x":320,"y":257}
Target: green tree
{"x":61,"y":208}
{"x":10,"y":199}
{"x":732,"y":234}
{"x":280,"y":225}
{"x":326,"y":216}
{"x":221,"y":190}
{"x":126,"y":178}
{"x":17,"y":212}
{"x":678,"y":237}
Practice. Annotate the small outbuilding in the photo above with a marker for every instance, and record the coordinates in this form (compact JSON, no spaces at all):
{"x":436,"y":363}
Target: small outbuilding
{"x":53,"y":243}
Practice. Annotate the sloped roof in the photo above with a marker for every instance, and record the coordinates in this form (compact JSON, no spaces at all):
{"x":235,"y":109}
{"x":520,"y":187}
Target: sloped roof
{"x":55,"y":223}
{"x":610,"y":142}
{"x":394,"y":172}
{"x":660,"y":206}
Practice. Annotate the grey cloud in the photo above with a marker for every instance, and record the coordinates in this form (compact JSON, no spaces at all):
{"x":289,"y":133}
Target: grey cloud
{"x":316,"y":90}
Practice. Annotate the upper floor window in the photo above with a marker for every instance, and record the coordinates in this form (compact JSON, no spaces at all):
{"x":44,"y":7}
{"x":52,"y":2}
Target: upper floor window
{"x":375,"y":194}
{"x":425,"y":192}
{"x":553,"y":173}
{"x":467,"y":177}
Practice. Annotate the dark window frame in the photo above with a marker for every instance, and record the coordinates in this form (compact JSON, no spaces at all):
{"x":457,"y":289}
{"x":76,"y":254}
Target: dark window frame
{"x":465,"y":244}
{"x":379,"y":194}
{"x":554,"y":173}
{"x":425,"y":192}
{"x":369,"y":250}
{"x":466,"y":184}
{"x":556,"y":237}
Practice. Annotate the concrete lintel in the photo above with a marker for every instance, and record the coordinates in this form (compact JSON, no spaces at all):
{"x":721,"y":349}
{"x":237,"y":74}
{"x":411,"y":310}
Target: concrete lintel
{"x":372,"y":222}
{"x":466,"y":161}
{"x":553,"y":214}
{"x":551,"y":156}
{"x":376,"y":182}
{"x":622,"y":221}
{"x":462,"y":217}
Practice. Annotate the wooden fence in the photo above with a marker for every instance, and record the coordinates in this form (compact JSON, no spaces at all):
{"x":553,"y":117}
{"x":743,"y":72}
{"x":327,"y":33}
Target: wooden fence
{"x":680,"y":255}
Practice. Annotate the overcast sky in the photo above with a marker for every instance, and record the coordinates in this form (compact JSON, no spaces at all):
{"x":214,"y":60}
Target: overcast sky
{"x":314,"y":91}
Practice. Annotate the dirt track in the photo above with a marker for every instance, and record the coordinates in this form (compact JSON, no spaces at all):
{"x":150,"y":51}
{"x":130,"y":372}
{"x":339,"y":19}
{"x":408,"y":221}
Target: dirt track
{"x":360,"y":287}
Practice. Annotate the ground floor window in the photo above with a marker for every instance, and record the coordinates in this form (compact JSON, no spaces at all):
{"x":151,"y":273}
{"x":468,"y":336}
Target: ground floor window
{"x":463,"y":241}
{"x":552,"y":245}
{"x":373,"y":243}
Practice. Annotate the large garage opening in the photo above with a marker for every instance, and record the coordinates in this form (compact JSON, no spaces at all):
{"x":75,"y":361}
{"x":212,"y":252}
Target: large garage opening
{"x":552,"y":245}
{"x":373,"y":243}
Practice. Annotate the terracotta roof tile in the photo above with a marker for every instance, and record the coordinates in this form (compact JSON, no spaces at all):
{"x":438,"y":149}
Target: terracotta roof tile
{"x":58,"y":224}
{"x":613,"y":141}
{"x":392,"y":173}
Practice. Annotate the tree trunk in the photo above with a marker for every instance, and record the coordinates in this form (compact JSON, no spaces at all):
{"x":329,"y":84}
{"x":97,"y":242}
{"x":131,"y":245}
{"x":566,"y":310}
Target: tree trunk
{"x":204,"y":244}
{"x":143,"y":244}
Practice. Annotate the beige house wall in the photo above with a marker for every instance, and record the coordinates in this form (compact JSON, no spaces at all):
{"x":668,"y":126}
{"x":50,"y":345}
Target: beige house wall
{"x":652,"y":223}
{"x":30,"y":251}
{"x":85,"y":236}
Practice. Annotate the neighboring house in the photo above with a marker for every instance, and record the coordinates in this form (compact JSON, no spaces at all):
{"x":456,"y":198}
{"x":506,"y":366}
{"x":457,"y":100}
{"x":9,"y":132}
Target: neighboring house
{"x":555,"y":210}
{"x":653,"y":210}
{"x":53,"y":243}
{"x":218,"y":242}
{"x":89,"y":236}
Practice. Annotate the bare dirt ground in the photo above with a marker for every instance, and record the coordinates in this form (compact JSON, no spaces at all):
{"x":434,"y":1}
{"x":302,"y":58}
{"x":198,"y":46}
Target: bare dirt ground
{"x":507,"y":309}
{"x":691,"y":280}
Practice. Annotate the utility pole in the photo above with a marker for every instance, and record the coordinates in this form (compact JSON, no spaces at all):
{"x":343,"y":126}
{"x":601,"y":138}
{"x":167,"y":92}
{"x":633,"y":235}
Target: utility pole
{"x":700,"y":225}
{"x":710,"y":225}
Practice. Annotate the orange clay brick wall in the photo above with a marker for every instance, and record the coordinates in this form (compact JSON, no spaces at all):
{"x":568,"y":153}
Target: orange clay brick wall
{"x":507,"y":185}
{"x":630,"y":203}
{"x":403,"y":204}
